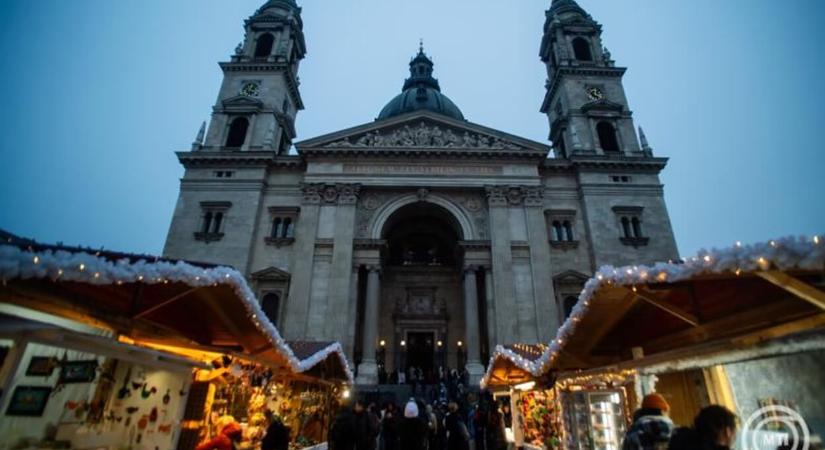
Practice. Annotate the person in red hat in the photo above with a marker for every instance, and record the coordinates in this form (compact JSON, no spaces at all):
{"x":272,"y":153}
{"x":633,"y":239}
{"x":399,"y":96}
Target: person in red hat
{"x":651,"y":428}
{"x":229,"y":435}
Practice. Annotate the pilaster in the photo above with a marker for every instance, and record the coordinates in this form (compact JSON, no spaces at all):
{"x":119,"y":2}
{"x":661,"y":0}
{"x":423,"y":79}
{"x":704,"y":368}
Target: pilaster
{"x":340,"y":277}
{"x":543,"y":295}
{"x":502,"y":265}
{"x":297,"y":310}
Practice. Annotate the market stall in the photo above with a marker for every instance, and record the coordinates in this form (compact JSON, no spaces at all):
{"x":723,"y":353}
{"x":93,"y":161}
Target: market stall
{"x":205,"y":314}
{"x":704,"y":331}
{"x":514,"y":375}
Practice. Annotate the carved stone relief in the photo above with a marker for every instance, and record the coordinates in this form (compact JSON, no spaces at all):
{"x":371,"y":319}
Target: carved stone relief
{"x":425,"y":135}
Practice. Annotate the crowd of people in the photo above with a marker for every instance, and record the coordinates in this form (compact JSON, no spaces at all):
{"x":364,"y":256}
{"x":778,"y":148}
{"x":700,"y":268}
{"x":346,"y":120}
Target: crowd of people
{"x":422,"y":426}
{"x":437,"y":384}
{"x":713,"y":429}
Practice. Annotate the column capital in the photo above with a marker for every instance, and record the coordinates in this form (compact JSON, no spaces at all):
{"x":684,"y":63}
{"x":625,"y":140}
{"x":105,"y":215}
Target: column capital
{"x":373,"y":268}
{"x":348,"y":193}
{"x":311,"y":193}
{"x":471,"y":268}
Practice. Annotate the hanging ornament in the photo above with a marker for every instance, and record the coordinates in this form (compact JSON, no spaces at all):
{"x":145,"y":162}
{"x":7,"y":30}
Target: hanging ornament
{"x":153,"y":415}
{"x":143,"y":422}
{"x":166,"y":397}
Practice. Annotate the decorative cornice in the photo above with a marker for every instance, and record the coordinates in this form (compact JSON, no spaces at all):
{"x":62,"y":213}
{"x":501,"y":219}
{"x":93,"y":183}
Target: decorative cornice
{"x":369,"y":244}
{"x":474,"y":245}
{"x":206,"y":158}
{"x":448,"y":152}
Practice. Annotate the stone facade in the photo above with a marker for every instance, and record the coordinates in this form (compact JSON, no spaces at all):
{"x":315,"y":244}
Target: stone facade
{"x":420,"y":225}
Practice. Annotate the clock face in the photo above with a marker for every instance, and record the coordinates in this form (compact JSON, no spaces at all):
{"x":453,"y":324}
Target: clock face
{"x":595,"y":93}
{"x":250,"y":89}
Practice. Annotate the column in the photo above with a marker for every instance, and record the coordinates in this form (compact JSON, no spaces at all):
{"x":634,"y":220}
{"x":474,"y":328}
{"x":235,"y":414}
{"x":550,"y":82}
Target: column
{"x":339,"y":279}
{"x":352,"y":313}
{"x":489,"y":295}
{"x":502,"y":260}
{"x":474,"y":367}
{"x":546,"y":315}
{"x":368,"y":369}
{"x":297,"y":307}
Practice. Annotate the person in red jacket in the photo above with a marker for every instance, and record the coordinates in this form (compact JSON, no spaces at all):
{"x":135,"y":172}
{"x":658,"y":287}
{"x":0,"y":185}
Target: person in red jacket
{"x":230,"y":434}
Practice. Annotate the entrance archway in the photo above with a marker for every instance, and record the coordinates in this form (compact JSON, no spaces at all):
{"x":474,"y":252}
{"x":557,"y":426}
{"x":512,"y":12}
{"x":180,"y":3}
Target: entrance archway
{"x":422,"y":314}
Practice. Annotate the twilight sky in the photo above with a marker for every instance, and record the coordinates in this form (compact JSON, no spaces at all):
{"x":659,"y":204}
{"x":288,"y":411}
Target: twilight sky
{"x":98,"y":94}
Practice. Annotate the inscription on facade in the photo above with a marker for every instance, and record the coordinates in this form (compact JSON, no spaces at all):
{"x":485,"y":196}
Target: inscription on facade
{"x":411,"y":169}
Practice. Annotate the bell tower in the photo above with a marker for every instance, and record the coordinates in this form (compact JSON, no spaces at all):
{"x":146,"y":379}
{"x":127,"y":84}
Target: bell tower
{"x":259,"y":97}
{"x":585,"y":101}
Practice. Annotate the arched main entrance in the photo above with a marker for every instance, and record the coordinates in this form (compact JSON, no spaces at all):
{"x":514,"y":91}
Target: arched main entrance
{"x":421,"y":303}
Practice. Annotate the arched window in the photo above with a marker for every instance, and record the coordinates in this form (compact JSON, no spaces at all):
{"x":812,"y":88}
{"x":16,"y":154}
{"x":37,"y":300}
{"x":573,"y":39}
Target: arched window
{"x":569,"y":303}
{"x":276,"y":228}
{"x":264,"y":46}
{"x":207,"y":222}
{"x":237,"y":132}
{"x":626,"y":227}
{"x":607,"y":137}
{"x":287,"y":228}
{"x":558,"y":234}
{"x":271,"y":304}
{"x":568,"y":231}
{"x":581,"y":48}
{"x":637,"y":227}
{"x":216,"y":224}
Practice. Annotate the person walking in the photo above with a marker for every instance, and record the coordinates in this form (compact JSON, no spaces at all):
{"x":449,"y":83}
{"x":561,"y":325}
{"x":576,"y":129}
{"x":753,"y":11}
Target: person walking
{"x":651,"y":428}
{"x":496,"y":438}
{"x":366,"y":428}
{"x":342,"y":433}
{"x":389,"y":427}
{"x":458,"y":438}
{"x":412,"y":429}
{"x":432,"y":435}
{"x":714,"y":428}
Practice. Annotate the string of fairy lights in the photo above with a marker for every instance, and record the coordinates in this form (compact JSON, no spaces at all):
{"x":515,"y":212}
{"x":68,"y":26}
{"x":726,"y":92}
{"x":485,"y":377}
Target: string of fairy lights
{"x":778,"y":254}
{"x":92,"y":268}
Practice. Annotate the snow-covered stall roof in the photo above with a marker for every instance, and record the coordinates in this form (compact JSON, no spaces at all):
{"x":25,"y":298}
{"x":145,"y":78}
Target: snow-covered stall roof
{"x":513,"y":364}
{"x":322,"y":359}
{"x":147,"y":298}
{"x":709,"y":299}
{"x":720,"y":299}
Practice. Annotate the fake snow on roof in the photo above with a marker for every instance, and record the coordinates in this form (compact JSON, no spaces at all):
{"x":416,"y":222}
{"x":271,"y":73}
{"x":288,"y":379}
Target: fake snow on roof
{"x":82,"y":267}
{"x":780,"y":254}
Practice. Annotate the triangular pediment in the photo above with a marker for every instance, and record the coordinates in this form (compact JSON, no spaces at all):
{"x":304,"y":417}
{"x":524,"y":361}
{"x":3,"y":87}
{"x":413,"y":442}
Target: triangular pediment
{"x":242,"y":101}
{"x":271,"y":274}
{"x":603,"y":105}
{"x":422,"y":130}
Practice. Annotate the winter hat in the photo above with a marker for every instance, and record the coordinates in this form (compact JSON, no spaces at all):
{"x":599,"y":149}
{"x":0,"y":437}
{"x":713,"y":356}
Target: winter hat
{"x":411,"y":410}
{"x":655,"y":401}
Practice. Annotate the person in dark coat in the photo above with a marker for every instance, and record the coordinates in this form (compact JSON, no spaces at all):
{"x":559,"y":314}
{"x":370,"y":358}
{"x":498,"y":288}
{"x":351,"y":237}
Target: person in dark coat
{"x":651,"y":428}
{"x":458,"y":438}
{"x":412,"y":429}
{"x":342,"y":434}
{"x":713,"y":429}
{"x":389,"y":427}
{"x":496,"y":439}
{"x":277,"y":434}
{"x":366,"y":428}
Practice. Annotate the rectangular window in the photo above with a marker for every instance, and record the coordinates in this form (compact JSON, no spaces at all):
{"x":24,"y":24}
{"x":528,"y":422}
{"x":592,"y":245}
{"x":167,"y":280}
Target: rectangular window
{"x":282,"y":220}
{"x":562,"y":228}
{"x":213,"y":220}
{"x":630,"y":225}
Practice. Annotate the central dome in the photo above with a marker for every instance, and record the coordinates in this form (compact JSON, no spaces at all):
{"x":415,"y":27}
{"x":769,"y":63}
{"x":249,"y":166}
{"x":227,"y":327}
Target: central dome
{"x":421,"y":91}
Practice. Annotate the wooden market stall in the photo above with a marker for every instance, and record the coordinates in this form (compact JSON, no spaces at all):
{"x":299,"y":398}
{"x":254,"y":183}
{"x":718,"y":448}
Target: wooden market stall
{"x":514,"y":375}
{"x":200,"y":312}
{"x":681,"y":329}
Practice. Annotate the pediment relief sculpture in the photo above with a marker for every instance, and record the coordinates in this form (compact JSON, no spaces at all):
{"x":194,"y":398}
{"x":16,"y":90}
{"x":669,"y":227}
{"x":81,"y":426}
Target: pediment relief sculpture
{"x":424,"y":135}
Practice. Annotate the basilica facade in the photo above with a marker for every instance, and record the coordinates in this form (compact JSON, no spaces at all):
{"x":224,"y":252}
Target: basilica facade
{"x":420,"y":238}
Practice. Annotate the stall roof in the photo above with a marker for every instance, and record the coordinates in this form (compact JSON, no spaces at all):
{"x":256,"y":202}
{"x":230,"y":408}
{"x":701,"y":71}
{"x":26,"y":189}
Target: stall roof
{"x":155,"y":300}
{"x":720,"y":300}
{"x":322,"y":359}
{"x":513,"y":364}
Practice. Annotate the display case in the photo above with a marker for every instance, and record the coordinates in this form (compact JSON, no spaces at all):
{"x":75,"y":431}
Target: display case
{"x":594,"y":420}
